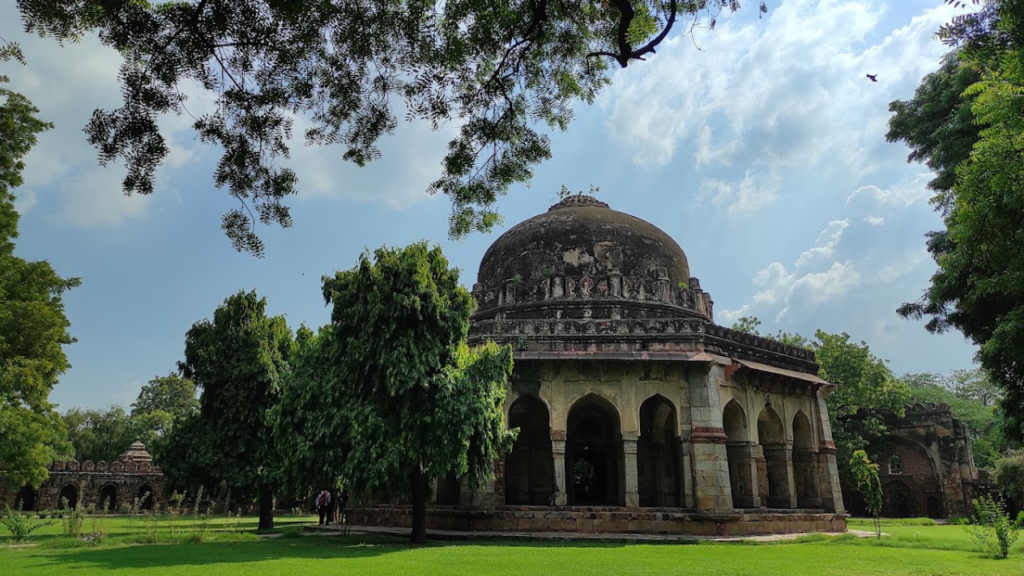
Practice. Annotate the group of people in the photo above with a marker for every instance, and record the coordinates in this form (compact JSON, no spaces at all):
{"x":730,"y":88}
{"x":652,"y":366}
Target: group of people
{"x":323,"y":506}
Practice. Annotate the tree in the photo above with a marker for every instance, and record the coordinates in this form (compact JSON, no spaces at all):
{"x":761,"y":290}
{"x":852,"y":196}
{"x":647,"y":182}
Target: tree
{"x":865,"y":473}
{"x":979,"y":286}
{"x":33,"y":327}
{"x":501,"y":71}
{"x":239,"y":361}
{"x":1009,"y":477}
{"x":100,"y":434}
{"x":389,"y":397}
{"x":171,"y":394}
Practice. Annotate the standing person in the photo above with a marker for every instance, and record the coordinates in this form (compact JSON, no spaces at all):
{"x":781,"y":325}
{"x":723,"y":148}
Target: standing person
{"x":342,"y":501}
{"x":323,"y":503}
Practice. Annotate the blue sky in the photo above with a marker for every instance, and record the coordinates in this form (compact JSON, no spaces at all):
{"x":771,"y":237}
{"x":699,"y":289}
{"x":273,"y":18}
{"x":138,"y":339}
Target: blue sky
{"x":759,"y":146}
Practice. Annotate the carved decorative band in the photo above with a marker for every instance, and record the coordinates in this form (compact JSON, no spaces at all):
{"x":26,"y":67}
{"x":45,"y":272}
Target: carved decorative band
{"x":708,"y":435}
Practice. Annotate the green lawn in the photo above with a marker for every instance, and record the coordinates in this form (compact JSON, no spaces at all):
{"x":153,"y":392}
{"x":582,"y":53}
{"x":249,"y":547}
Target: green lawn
{"x":918,"y":550}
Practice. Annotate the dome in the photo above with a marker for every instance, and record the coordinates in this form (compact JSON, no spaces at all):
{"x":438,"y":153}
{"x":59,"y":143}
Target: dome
{"x":582,"y":237}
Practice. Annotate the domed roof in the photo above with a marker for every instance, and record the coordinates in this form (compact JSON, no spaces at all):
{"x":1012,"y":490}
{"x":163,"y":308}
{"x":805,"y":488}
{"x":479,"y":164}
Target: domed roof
{"x":581,"y":236}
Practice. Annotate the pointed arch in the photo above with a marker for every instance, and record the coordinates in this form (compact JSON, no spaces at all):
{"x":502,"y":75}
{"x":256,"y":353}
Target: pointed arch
{"x":805,"y":463}
{"x":741,"y":455}
{"x":658,"y":454}
{"x":771,"y":435}
{"x":593,"y":453}
{"x":529,"y":467}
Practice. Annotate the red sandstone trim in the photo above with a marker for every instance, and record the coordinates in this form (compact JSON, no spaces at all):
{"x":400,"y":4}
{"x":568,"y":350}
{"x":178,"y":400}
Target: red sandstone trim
{"x":708,"y":435}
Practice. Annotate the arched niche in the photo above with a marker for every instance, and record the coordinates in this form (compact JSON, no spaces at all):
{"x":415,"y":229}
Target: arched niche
{"x":68,"y":496}
{"x":529,"y":467}
{"x":108,"y":498}
{"x":449,"y":489}
{"x":593,"y":453}
{"x":146,"y":496}
{"x":771,"y":435}
{"x":25,"y":499}
{"x":658,"y":453}
{"x":805,"y":463}
{"x":742,"y":455}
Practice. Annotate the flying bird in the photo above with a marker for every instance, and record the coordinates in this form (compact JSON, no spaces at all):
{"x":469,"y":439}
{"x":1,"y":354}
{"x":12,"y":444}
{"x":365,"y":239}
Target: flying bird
{"x":872,"y":77}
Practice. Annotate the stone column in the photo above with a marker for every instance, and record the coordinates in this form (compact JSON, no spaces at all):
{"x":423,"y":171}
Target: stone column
{"x":743,"y":474}
{"x":828,"y":470}
{"x":685,"y":474}
{"x":631,"y":477}
{"x":558,"y":454}
{"x":711,"y":490}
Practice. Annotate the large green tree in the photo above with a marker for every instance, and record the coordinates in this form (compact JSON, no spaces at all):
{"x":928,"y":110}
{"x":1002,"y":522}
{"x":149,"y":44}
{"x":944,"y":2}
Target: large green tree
{"x":33,"y":327}
{"x":100,"y":434}
{"x":503,"y":72}
{"x":389,"y":397}
{"x":979,"y":285}
{"x":239,"y":360}
{"x":171,"y":395}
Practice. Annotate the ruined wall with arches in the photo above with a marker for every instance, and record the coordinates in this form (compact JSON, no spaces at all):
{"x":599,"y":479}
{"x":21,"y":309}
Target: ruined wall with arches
{"x":92,"y":484}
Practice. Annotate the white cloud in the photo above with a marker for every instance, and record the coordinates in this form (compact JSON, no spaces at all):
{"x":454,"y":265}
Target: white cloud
{"x":825,"y":246}
{"x":24,"y":200}
{"x":874,"y":220}
{"x":94,"y":198}
{"x":757,"y":189}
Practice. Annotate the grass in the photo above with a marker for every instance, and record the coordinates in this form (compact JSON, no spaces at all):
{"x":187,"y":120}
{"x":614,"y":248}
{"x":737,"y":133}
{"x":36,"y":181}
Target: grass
{"x":910,"y":550}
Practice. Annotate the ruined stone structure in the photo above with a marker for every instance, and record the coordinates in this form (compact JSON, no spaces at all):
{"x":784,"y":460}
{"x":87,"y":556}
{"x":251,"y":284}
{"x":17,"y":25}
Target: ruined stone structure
{"x":637,"y":413}
{"x":89,"y":483}
{"x":926,"y":464}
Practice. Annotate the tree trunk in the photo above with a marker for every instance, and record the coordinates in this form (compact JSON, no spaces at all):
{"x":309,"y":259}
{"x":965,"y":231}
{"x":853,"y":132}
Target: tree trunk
{"x":419,"y":505}
{"x":266,"y":508}
{"x":227,"y":502}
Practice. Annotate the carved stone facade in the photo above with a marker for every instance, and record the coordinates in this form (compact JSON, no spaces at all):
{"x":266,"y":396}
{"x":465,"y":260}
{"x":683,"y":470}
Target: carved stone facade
{"x":926,"y":464}
{"x":89,"y":483}
{"x":637,"y":413}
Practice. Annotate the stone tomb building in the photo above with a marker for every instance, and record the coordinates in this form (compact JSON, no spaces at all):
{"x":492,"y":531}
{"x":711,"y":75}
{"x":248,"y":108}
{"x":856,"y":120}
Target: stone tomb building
{"x":637,"y":413}
{"x":926,"y":465}
{"x":89,"y":483}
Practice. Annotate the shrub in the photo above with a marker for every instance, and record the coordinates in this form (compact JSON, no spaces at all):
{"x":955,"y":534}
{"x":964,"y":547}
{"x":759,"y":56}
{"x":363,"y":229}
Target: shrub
{"x":72,"y":519}
{"x":20,"y":524}
{"x":992,"y":527}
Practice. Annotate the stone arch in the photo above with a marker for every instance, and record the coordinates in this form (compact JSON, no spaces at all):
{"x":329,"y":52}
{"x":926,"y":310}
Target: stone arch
{"x":108,"y":498}
{"x":146,"y":496}
{"x":449,"y":489}
{"x":529,"y":467}
{"x":805,"y":463}
{"x":899,"y":501}
{"x":776,"y":479}
{"x":593,"y":453}
{"x":70,"y":493}
{"x":910,"y":474}
{"x":25,"y":499}
{"x":742,"y":454}
{"x":658,"y":453}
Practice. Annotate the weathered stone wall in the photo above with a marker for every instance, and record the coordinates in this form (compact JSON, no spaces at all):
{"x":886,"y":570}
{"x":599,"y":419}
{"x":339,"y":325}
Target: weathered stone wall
{"x":926,"y":464}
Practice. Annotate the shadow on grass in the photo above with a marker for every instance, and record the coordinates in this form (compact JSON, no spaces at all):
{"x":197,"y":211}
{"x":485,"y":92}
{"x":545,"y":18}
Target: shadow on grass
{"x":289,"y":546}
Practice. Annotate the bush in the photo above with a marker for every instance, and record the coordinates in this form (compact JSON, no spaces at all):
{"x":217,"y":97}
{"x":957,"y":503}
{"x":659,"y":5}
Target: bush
{"x":992,"y":527}
{"x":73,"y":519}
{"x":20,"y":524}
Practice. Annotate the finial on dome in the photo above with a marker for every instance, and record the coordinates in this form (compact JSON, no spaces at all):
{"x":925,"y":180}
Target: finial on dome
{"x":578,"y":201}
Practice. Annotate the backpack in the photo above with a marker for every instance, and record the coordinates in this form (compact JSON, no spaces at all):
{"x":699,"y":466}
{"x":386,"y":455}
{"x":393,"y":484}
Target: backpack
{"x":322,"y":499}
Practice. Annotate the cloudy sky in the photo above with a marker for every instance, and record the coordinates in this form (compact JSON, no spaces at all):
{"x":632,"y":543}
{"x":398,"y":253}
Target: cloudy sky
{"x":759,"y":146}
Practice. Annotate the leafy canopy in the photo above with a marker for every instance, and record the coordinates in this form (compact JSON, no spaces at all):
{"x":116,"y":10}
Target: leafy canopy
{"x":979,"y":285}
{"x":502,"y":73}
{"x":33,"y":327}
{"x":389,"y":397}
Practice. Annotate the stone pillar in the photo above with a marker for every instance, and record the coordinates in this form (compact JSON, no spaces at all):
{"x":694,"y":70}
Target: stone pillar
{"x":828,"y":470}
{"x":558,"y":454}
{"x":685,"y":474}
{"x":631,"y":477}
{"x":711,"y":489}
{"x":743,"y":474}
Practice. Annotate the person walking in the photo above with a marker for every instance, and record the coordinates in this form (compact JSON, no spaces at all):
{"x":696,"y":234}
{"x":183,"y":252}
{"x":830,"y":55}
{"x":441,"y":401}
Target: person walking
{"x":323,"y":505}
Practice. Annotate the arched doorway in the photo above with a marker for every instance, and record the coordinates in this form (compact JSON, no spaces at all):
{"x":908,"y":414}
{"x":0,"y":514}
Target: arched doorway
{"x":108,"y":498}
{"x":593,"y":453}
{"x":69,"y":496}
{"x":145,"y":496}
{"x":448,"y":489}
{"x":900,"y":500}
{"x":805,"y":463}
{"x":25,"y":499}
{"x":529,"y":467}
{"x":742,"y":454}
{"x":658,"y":454}
{"x":772,"y":438}
{"x":935,"y":507}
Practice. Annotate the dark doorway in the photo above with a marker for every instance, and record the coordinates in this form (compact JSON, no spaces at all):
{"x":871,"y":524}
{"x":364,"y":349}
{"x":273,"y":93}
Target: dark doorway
{"x":772,"y":438}
{"x":25,"y":499}
{"x":448,"y":490}
{"x":901,"y":503}
{"x":742,"y":454}
{"x":805,"y":463}
{"x":658,"y":454}
{"x":529,"y":467}
{"x":593,"y":451}
{"x":145,"y":496}
{"x":69,"y":496}
{"x":108,"y":498}
{"x":935,"y":508}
